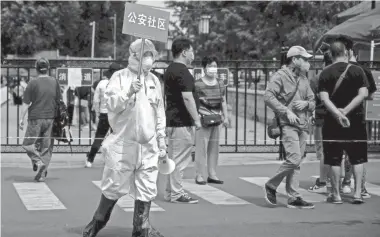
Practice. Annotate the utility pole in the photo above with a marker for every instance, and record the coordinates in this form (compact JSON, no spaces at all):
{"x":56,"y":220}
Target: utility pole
{"x":93,"y":39}
{"x":114,"y":35}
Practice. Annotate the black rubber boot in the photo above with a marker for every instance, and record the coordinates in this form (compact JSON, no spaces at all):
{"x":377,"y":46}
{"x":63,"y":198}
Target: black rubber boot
{"x":101,"y":217}
{"x":141,"y":224}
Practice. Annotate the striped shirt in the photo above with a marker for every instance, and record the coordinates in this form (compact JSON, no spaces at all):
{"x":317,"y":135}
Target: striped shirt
{"x":210,"y":96}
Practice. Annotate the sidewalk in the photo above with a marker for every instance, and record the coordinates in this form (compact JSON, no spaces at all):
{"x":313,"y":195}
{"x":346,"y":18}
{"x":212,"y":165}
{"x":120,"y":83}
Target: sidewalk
{"x":21,"y":160}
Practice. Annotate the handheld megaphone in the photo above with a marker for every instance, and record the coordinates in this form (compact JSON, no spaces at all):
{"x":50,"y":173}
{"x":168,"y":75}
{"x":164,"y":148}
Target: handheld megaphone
{"x":166,"y":165}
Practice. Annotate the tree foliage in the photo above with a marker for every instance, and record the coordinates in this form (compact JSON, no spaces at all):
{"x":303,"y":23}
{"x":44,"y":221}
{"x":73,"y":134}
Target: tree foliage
{"x":253,"y":29}
{"x":30,"y":26}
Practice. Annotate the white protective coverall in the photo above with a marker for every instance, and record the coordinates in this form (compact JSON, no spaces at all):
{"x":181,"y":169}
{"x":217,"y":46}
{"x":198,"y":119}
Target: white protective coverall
{"x":138,"y":130}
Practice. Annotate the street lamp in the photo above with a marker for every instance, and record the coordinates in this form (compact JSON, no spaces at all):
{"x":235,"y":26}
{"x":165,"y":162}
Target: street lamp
{"x":114,"y":35}
{"x":169,"y":47}
{"x":204,"y":27}
{"x":93,"y":39}
{"x":204,"y":24}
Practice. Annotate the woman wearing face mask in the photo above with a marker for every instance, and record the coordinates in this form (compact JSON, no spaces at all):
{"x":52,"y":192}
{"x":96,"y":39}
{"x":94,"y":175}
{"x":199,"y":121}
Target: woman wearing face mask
{"x":290,"y":97}
{"x":211,"y":93}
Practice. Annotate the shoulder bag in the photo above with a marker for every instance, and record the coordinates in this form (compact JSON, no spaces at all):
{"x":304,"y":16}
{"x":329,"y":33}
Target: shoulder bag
{"x":274,"y":129}
{"x":212,"y":119}
{"x":59,"y":131}
{"x":321,"y":109}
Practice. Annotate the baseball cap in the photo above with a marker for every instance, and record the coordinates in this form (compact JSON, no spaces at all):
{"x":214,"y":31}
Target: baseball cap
{"x":42,"y":65}
{"x":298,"y":51}
{"x":111,"y":69}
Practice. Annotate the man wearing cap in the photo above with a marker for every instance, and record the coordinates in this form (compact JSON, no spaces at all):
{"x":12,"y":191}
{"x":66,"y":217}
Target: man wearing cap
{"x":100,"y":108}
{"x":290,"y":97}
{"x":137,"y":120}
{"x":40,"y":99}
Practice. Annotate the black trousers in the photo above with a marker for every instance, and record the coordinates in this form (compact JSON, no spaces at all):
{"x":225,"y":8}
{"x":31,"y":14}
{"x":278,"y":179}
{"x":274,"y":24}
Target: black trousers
{"x":101,"y":131}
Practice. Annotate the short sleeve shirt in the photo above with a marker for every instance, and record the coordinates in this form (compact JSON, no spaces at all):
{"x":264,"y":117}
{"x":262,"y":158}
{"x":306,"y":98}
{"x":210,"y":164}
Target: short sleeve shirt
{"x":210,"y":97}
{"x":178,"y":79}
{"x":42,"y":93}
{"x":348,"y":89}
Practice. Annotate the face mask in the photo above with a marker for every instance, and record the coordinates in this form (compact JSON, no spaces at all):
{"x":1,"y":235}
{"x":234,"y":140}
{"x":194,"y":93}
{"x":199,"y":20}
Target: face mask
{"x":303,"y":65}
{"x":147,"y":64}
{"x":189,"y":57}
{"x":211,"y":71}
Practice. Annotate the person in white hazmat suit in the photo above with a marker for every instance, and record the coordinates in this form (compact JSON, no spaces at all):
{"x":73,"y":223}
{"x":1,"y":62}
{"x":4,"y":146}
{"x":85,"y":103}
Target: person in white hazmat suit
{"x":137,"y":119}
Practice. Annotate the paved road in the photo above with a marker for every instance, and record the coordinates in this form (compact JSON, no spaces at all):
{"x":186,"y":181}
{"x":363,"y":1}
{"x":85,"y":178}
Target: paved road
{"x":68,"y":200}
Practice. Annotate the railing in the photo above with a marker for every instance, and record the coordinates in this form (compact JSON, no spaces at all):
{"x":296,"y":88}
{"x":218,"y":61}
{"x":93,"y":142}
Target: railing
{"x":248,"y":114}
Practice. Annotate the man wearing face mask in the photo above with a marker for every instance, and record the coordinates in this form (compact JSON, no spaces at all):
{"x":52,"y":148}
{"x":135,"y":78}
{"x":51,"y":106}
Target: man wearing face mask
{"x":137,"y":119}
{"x":290,"y":97}
{"x":181,"y":116}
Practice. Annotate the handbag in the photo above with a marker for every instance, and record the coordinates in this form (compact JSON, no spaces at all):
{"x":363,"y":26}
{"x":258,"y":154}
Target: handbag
{"x":274,"y":129}
{"x":212,"y":119}
{"x":321,"y":109}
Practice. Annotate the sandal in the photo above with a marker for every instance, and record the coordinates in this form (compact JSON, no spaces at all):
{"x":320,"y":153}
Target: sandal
{"x":332,"y":199}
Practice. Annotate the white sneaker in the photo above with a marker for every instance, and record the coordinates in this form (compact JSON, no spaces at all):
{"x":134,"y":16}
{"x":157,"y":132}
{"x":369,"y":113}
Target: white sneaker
{"x":346,"y":189}
{"x":88,"y":164}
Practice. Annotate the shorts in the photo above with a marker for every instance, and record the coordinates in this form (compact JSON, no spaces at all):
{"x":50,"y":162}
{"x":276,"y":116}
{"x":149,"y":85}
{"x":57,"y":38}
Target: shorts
{"x":337,"y":139}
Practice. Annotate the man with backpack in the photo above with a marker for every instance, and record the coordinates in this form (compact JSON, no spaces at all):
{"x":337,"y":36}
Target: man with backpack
{"x":290,"y":97}
{"x":41,"y":98}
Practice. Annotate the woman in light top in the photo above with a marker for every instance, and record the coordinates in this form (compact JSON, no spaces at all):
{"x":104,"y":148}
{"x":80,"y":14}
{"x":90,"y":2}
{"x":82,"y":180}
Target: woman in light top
{"x":211,"y":93}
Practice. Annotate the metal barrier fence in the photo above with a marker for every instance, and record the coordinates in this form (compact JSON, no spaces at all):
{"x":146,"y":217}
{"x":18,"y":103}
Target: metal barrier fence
{"x":248,"y":114}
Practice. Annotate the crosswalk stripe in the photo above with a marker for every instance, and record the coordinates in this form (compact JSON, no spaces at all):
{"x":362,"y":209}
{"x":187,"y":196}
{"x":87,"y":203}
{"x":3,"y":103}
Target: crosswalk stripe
{"x":308,"y":196}
{"x":38,"y":197}
{"x":371,"y":188}
{"x":127,"y":203}
{"x":211,"y":194}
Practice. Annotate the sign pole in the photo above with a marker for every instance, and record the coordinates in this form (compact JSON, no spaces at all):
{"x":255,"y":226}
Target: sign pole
{"x":140,"y":62}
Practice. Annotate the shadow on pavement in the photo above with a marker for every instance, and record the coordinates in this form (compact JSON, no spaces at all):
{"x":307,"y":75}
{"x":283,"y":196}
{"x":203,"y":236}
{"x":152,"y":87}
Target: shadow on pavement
{"x":18,"y":178}
{"x":108,"y":231}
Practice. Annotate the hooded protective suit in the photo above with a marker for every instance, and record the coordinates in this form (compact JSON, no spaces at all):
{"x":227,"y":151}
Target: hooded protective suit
{"x":132,"y":150}
{"x":138,"y":124}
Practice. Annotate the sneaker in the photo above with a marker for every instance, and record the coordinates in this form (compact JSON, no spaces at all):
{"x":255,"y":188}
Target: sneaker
{"x":300,"y":203}
{"x":318,"y":187}
{"x":346,"y":189}
{"x":270,"y":195}
{"x":365,"y":194}
{"x":185,"y":199}
{"x":41,"y":174}
{"x":88,"y":164}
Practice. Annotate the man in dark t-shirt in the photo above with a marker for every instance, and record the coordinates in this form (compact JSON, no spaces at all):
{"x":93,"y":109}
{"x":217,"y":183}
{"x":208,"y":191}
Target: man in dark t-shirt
{"x":40,"y":100}
{"x":346,"y":184}
{"x":344,"y":125}
{"x":181,"y":116}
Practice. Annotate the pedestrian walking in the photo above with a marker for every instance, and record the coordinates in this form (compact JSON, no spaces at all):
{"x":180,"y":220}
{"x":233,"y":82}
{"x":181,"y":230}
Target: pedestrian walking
{"x":343,"y":88}
{"x":100,"y":107}
{"x":40,"y":102}
{"x":211,"y":93}
{"x":290,"y":97}
{"x":181,"y":116}
{"x":137,"y":118}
